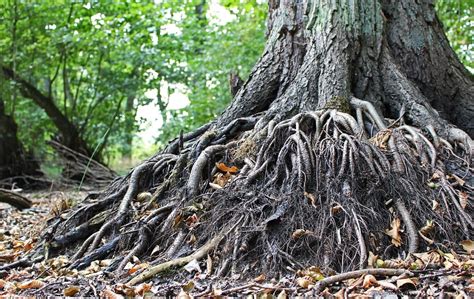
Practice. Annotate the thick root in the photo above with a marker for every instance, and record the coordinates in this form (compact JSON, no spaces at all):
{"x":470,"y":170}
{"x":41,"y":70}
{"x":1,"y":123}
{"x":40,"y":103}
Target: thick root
{"x":315,"y":189}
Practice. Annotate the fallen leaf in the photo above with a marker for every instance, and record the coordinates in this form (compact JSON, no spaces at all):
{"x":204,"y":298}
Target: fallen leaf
{"x":224,"y":168}
{"x":183,"y":295}
{"x":142,"y":289}
{"x":387,"y":285}
{"x":372,"y":260}
{"x":192,"y":239}
{"x":467,"y":245}
{"x":304,"y":282}
{"x":463,"y":199}
{"x":340,"y":294}
{"x":31,"y":284}
{"x":188,"y":287}
{"x":336,"y":209}
{"x":299,"y":233}
{"x":369,"y":280}
{"x":137,"y":267}
{"x":311,"y":198}
{"x":282,"y":295}
{"x":71,"y":291}
{"x":192,"y":266}
{"x":407,"y":282}
{"x":260,"y":278}
{"x":192,"y":220}
{"x":221,"y":180}
{"x":215,"y":186}
{"x":394,"y":232}
{"x":111,"y":295}
{"x":144,"y":196}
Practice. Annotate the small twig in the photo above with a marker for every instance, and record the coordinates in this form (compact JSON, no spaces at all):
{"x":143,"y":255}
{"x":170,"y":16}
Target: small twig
{"x":354,"y":274}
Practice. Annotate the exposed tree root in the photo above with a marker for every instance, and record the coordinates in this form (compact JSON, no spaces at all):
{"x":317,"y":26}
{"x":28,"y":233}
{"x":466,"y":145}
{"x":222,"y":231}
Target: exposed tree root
{"x":318,"y":188}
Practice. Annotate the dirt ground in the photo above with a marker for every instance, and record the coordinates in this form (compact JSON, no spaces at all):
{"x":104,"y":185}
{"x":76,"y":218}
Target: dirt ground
{"x":447,"y":272}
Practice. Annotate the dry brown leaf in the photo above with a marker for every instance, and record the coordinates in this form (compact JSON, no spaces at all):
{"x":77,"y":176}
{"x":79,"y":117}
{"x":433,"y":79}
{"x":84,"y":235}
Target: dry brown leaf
{"x":71,"y":291}
{"x":142,"y":289}
{"x":282,"y":295}
{"x":2,"y":283}
{"x":192,"y":220}
{"x":372,"y":260}
{"x":407,"y":282}
{"x":177,"y":220}
{"x":304,"y":282}
{"x":299,"y":233}
{"x":221,"y":179}
{"x":435,"y":205}
{"x":394,"y":232}
{"x":137,"y":267}
{"x":188,"y":287}
{"x":311,"y":198}
{"x":260,"y":278}
{"x":467,"y":245}
{"x":124,"y":289}
{"x":215,"y":186}
{"x":31,"y":284}
{"x":144,"y":196}
{"x":369,"y":280}
{"x":183,"y":295}
{"x":336,"y":209}
{"x":340,"y":294}
{"x":463,"y":199}
{"x":387,"y":285}
{"x":224,"y":168}
{"x":192,"y":239}
{"x":111,"y":295}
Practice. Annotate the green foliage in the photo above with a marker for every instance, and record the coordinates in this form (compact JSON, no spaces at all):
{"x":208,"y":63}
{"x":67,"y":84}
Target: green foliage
{"x":98,"y":58}
{"x":458,"y":20}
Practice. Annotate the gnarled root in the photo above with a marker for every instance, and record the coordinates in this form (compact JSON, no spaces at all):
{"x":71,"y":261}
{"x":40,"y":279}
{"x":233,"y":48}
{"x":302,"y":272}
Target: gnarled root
{"x":318,"y":180}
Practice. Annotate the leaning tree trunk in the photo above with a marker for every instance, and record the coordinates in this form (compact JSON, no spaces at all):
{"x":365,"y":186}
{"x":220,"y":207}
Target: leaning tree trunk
{"x":16,"y":165}
{"x":333,"y":136}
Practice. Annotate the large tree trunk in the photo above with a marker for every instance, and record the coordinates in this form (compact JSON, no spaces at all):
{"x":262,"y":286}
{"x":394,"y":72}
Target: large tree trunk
{"x":335,"y":133}
{"x":16,"y":166}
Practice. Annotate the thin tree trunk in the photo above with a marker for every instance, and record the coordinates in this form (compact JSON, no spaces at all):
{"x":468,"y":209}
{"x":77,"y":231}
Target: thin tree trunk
{"x":15,"y":163}
{"x":70,"y":136}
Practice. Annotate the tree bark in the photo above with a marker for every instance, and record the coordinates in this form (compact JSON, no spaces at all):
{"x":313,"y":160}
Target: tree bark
{"x":15,"y":163}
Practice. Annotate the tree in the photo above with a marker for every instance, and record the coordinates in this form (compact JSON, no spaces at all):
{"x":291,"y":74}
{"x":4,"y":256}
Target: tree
{"x":348,"y":127}
{"x":16,"y":164}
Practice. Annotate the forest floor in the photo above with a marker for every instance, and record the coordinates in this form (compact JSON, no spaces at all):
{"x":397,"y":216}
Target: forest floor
{"x":435,"y":273}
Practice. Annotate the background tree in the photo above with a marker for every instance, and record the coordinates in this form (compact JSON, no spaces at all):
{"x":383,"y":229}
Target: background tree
{"x":346,"y":120}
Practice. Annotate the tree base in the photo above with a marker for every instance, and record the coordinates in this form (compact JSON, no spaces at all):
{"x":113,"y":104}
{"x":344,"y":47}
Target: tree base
{"x":319,"y":189}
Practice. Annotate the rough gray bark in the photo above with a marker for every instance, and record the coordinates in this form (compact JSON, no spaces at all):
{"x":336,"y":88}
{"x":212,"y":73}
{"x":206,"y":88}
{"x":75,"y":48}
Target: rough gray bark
{"x":361,"y":49}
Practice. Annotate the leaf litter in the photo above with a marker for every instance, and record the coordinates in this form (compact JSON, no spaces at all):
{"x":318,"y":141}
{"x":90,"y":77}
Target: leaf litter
{"x":436,"y":272}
